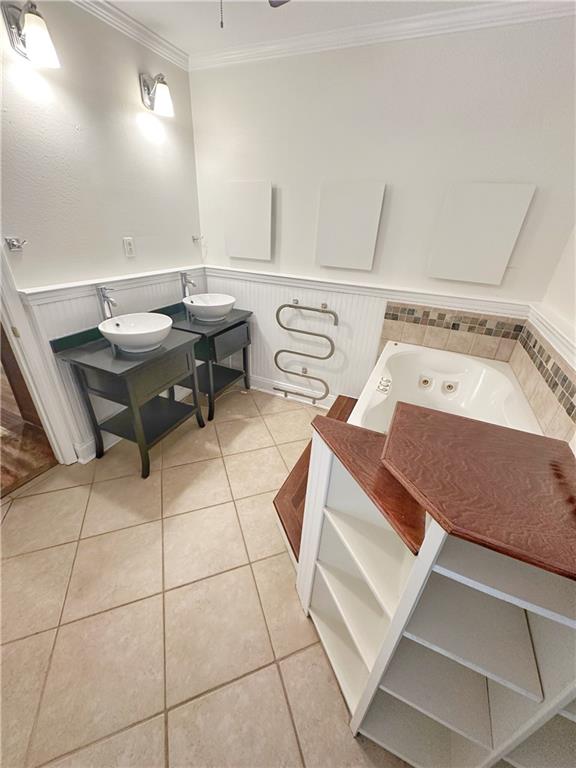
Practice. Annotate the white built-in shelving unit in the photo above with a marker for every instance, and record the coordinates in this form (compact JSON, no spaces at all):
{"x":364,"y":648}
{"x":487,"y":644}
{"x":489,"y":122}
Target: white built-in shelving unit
{"x":458,"y":657}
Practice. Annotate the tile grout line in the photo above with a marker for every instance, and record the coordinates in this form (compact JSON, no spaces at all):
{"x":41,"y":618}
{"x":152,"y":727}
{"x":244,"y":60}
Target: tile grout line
{"x":182,"y":703}
{"x":145,"y":522}
{"x":274,"y":657}
{"x":275,"y":660}
{"x":53,"y":649}
{"x":139,"y":599}
{"x":165,"y":713}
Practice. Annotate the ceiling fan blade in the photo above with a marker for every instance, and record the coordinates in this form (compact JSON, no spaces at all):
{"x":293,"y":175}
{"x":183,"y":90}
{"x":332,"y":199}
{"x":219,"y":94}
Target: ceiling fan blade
{"x":278,"y":3}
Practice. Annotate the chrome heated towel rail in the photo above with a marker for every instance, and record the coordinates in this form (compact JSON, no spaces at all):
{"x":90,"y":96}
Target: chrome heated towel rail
{"x":323,"y":310}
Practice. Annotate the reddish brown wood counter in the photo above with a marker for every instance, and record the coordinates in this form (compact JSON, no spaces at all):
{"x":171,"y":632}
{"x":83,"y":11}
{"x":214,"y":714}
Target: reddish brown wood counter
{"x":511,"y":491}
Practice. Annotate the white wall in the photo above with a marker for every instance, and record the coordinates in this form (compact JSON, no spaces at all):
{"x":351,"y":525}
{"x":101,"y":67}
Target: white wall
{"x":559,"y":303}
{"x":488,"y":105}
{"x":84,"y":163}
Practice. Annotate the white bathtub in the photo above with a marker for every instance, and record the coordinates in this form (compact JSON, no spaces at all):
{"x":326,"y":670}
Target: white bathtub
{"x":467,"y":386}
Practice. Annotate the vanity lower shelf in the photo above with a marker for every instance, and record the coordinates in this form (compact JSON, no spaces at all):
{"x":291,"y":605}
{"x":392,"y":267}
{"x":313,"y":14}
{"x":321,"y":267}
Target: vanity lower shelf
{"x":223,"y":378}
{"x":159,"y":416}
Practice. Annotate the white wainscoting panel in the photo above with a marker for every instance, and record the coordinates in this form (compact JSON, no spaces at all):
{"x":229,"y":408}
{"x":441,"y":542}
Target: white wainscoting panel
{"x":356,"y":336}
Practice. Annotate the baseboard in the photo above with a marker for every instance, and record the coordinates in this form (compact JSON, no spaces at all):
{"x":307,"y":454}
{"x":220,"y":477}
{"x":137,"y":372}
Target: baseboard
{"x":302,"y":394}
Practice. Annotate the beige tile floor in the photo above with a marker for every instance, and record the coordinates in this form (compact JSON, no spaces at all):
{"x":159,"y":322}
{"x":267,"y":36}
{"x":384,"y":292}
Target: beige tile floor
{"x":155,"y":623}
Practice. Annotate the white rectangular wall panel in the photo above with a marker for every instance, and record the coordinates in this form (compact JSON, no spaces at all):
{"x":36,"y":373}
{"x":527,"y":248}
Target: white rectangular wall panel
{"x":348,"y":221}
{"x":477,"y":231}
{"x":247,"y":213}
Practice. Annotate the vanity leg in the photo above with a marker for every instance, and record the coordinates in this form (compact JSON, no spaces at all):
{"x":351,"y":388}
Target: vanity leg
{"x":246,"y":366}
{"x":195,"y":395}
{"x":81,"y":381}
{"x":171,"y":394}
{"x":140,"y":435}
{"x":210,"y":390}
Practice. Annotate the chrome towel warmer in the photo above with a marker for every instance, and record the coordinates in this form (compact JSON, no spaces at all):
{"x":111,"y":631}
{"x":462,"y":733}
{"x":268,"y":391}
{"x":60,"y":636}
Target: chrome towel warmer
{"x":323,"y":310}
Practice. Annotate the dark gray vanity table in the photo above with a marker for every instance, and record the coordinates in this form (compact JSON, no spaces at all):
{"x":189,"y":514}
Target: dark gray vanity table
{"x":219,"y":341}
{"x":136,"y":381}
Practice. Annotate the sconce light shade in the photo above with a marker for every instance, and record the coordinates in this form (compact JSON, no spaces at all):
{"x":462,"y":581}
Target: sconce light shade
{"x":156,"y":95}
{"x":29,"y":35}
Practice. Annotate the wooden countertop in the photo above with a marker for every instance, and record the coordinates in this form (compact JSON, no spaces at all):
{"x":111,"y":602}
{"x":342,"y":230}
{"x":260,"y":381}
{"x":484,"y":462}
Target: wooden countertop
{"x":510,"y":491}
{"x":360,"y":451}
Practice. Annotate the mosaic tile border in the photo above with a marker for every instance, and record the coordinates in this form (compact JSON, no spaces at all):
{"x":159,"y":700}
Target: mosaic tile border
{"x":483,"y":325}
{"x":559,"y":381}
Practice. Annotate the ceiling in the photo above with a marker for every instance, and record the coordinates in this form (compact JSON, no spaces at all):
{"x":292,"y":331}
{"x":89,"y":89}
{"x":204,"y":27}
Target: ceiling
{"x":194,"y":25}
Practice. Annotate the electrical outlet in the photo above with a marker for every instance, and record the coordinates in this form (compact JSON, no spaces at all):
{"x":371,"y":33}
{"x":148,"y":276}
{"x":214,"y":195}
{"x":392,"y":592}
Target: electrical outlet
{"x":129,"y":250}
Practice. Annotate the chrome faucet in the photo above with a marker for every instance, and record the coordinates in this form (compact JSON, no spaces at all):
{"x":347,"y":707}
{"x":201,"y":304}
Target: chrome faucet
{"x":106,"y":301}
{"x":185,"y":282}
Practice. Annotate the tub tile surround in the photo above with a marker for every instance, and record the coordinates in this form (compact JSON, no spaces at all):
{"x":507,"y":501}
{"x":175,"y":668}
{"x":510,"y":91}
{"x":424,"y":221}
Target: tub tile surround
{"x":470,"y":333}
{"x":213,"y":584}
{"x":548,"y":382}
{"x":546,"y":379}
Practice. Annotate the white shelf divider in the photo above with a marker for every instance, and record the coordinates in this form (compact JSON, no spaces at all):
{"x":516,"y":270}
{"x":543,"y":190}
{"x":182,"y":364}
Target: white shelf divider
{"x":348,"y":666}
{"x":486,"y":634}
{"x":524,"y":585}
{"x":552,"y":746}
{"x":379,"y":554}
{"x":443,"y":689}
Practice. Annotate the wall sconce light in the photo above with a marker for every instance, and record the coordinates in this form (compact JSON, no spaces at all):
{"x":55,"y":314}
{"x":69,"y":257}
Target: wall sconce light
{"x":29,"y":34}
{"x":156,"y":95}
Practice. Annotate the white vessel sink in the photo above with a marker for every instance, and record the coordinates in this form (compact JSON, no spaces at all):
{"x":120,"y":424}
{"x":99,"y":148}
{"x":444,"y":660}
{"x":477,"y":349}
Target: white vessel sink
{"x":138,"y":332}
{"x":210,"y":307}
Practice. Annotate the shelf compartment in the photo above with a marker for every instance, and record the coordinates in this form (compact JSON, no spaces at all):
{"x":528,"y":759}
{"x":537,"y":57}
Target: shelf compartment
{"x":348,"y":666}
{"x":570,"y":711}
{"x":524,"y":585}
{"x":486,"y":634}
{"x":446,"y":691}
{"x":416,"y":738}
{"x":552,"y":746}
{"x":555,"y":649}
{"x":159,"y":416}
{"x":379,"y":554}
{"x":224,"y":377}
{"x":360,"y":611}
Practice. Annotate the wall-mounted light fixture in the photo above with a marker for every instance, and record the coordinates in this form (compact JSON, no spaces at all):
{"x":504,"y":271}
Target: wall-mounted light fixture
{"x":29,"y":34}
{"x":156,"y":95}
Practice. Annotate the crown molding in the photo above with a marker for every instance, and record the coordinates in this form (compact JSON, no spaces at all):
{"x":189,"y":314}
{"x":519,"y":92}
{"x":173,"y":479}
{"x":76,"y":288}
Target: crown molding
{"x":110,"y":14}
{"x":489,"y":14}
